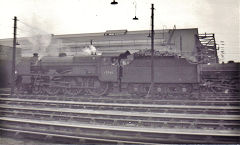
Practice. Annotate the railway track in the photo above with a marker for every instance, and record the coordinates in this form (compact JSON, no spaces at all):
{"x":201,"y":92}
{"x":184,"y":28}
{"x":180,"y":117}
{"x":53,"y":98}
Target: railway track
{"x":122,"y":120}
{"x":59,"y":138}
{"x":125,"y":134}
{"x":220,"y":101}
{"x":202,"y":96}
{"x":191,"y":109}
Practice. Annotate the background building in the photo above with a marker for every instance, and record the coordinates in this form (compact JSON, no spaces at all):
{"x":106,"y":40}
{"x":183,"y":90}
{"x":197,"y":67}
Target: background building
{"x":184,"y":42}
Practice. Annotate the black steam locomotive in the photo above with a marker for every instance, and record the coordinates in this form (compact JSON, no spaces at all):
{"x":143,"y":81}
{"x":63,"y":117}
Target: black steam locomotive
{"x":103,"y":74}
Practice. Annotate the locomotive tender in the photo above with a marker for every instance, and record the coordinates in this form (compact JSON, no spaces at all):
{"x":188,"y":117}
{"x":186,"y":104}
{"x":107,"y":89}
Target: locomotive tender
{"x":102,"y":74}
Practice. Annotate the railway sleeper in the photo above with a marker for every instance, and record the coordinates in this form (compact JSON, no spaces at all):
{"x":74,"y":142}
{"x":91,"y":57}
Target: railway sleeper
{"x":82,"y":120}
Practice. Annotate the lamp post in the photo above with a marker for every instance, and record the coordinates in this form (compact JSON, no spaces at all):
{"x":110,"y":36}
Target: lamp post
{"x":152,"y":46}
{"x":150,"y":91}
{"x":152,"y":51}
{"x":14,"y":55}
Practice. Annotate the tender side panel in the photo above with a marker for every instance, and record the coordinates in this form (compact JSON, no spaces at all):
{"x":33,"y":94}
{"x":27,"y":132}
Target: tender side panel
{"x":166,"y":70}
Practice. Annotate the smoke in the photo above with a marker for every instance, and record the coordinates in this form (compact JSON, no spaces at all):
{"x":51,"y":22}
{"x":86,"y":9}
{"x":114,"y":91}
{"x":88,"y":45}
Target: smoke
{"x":54,"y":47}
{"x":40,"y":42}
{"x":37,"y":36}
{"x":90,"y":50}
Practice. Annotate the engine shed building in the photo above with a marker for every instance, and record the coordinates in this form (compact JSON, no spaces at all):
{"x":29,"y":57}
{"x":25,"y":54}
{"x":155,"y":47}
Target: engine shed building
{"x":187,"y":43}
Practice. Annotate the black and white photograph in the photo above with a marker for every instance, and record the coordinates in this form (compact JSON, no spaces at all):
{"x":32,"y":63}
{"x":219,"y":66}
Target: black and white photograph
{"x":119,"y":72}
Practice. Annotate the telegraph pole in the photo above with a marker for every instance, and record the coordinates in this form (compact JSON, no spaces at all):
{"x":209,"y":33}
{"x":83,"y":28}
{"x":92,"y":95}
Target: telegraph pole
{"x":14,"y":55}
{"x":152,"y":46}
{"x":152,"y":53}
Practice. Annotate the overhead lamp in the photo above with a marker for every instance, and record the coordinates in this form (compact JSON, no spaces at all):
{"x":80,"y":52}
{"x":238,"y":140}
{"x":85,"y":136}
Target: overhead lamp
{"x":114,"y":2}
{"x":135,"y":18}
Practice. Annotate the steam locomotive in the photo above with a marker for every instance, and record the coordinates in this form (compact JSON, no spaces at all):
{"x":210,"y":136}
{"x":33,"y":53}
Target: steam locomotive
{"x":131,"y":73}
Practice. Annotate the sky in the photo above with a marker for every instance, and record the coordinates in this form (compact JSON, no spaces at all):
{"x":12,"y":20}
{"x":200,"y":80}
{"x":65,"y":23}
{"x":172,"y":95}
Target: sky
{"x":221,"y":17}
